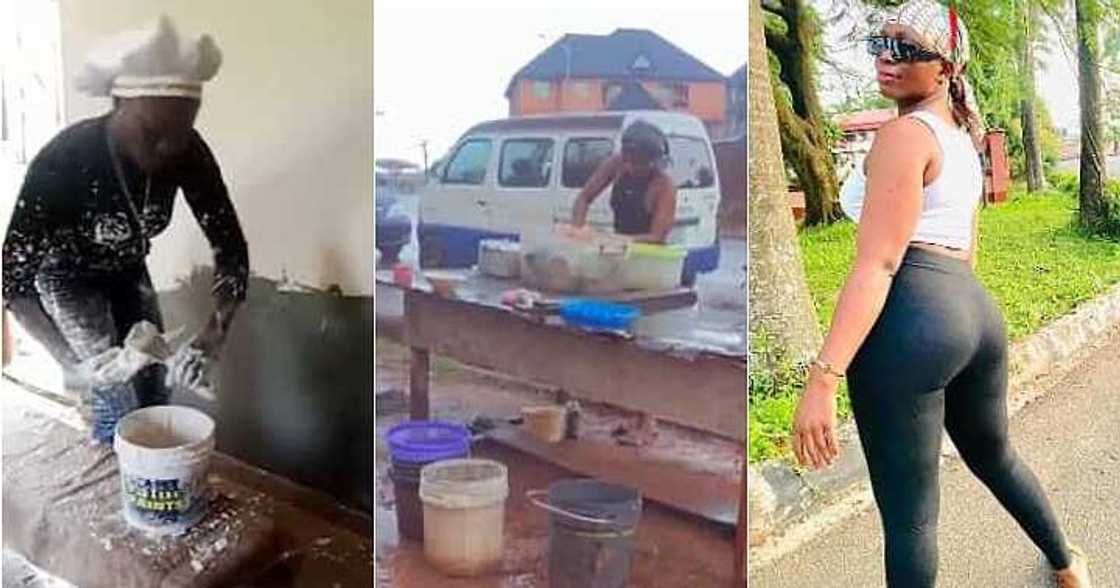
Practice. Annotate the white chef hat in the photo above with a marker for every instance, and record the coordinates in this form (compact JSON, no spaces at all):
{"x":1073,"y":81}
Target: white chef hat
{"x":153,"y":61}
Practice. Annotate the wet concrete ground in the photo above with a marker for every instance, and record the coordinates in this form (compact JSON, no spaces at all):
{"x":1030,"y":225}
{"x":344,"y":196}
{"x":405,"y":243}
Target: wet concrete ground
{"x":671,"y":550}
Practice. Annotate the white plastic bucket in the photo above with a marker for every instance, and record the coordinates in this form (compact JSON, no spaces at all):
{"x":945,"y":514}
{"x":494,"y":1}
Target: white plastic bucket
{"x":164,"y":455}
{"x":464,"y":514}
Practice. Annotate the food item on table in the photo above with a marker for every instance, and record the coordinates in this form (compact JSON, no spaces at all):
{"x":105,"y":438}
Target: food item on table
{"x":444,"y":283}
{"x":522,"y":298}
{"x":573,"y":259}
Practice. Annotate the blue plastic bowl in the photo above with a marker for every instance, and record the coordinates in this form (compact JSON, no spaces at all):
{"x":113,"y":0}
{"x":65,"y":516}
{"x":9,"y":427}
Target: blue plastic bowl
{"x":422,"y":442}
{"x":596,"y":314}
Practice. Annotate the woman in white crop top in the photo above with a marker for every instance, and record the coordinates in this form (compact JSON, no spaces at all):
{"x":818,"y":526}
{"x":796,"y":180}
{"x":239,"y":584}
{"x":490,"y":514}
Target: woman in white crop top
{"x":921,"y":342}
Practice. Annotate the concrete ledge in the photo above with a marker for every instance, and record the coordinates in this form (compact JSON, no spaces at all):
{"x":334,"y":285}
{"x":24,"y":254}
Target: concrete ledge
{"x":788,"y":508}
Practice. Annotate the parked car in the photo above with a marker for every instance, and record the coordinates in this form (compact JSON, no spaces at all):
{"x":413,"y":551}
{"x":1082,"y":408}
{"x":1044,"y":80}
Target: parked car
{"x":393,"y":230}
{"x":507,"y":175}
{"x":398,"y":175}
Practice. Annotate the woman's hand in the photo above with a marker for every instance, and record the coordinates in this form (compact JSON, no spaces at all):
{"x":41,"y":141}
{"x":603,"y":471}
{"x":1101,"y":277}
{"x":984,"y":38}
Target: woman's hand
{"x":190,"y":369}
{"x":213,"y":335}
{"x":192,"y":366}
{"x":814,"y":424}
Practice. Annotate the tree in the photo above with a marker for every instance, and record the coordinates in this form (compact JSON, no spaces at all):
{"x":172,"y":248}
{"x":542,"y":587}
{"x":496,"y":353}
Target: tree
{"x":863,"y":100}
{"x":1032,"y":140}
{"x":779,"y":300}
{"x":1111,"y":108}
{"x":793,"y":37}
{"x":1094,"y":205}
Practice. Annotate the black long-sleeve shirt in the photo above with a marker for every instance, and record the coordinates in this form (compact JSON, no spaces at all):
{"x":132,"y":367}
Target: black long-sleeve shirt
{"x":72,"y":217}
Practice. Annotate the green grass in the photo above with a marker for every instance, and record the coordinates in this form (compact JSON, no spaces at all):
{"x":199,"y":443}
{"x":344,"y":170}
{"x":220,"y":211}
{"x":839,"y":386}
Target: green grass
{"x":775,"y":384}
{"x":1034,"y":261}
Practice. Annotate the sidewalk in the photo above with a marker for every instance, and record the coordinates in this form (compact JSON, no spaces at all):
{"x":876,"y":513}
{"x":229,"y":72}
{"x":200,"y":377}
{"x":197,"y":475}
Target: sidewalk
{"x":1068,"y":437}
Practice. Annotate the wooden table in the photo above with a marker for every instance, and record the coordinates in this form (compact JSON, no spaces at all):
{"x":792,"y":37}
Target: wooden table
{"x":681,"y":363}
{"x":61,"y":512}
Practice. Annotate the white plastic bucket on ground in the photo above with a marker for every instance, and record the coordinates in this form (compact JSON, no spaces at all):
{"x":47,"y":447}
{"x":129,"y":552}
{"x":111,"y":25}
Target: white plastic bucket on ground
{"x":164,"y":455}
{"x":464,"y":514}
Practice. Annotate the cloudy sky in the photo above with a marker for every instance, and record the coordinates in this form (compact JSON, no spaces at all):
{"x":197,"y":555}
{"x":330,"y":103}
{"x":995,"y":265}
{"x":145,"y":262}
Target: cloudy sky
{"x":440,"y":66}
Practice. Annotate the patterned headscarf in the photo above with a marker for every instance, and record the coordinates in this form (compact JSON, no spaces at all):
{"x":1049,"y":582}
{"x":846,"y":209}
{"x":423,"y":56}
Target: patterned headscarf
{"x":943,"y":32}
{"x":939,"y":26}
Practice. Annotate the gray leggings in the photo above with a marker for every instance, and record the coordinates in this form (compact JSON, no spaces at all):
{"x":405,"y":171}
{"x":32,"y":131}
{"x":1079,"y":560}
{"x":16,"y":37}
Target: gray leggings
{"x":94,"y":314}
{"x":937,"y":356}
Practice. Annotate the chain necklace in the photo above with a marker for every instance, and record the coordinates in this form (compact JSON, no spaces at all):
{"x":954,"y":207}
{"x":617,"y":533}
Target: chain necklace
{"x":118,"y":169}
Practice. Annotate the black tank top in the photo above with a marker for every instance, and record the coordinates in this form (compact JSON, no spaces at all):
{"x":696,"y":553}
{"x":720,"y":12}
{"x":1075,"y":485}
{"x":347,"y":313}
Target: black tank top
{"x":628,"y":201}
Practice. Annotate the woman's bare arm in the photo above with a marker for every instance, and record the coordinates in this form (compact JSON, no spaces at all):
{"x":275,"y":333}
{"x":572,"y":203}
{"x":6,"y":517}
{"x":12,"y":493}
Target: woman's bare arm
{"x":890,"y":215}
{"x":664,"y":212}
{"x":604,"y":175}
{"x":896,"y":169}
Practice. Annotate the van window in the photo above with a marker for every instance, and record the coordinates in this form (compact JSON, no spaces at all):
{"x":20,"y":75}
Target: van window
{"x":582,"y":157}
{"x":468,"y":165}
{"x":690,"y":165}
{"x":526,"y":163}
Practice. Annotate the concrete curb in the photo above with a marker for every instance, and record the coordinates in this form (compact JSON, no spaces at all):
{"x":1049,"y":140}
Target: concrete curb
{"x":788,"y":508}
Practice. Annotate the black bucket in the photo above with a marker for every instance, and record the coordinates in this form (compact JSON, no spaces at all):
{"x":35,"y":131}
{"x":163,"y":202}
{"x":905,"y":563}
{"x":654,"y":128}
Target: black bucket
{"x":413,"y":445}
{"x":406,"y":494}
{"x":591,"y":539}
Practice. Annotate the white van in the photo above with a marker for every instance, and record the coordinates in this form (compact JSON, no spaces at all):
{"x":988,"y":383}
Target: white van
{"x":505,"y":175}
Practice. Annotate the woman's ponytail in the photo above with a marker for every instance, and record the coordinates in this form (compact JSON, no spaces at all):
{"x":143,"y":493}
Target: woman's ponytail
{"x":963,"y":113}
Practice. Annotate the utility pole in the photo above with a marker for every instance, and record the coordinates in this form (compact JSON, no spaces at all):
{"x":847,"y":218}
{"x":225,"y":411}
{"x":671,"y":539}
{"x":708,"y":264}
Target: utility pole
{"x":567,"y":69}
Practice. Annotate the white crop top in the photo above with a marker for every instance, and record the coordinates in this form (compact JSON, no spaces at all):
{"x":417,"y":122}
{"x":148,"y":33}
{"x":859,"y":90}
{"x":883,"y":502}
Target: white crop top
{"x":949,"y":202}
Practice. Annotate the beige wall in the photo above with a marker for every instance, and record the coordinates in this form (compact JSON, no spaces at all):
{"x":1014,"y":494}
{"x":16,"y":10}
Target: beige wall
{"x":289,"y":118}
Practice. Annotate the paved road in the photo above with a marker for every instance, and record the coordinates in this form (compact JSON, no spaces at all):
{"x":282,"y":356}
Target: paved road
{"x":1069,"y":437}
{"x":1074,"y":164}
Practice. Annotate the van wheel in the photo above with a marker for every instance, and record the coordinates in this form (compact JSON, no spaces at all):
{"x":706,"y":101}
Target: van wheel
{"x":431,"y":253}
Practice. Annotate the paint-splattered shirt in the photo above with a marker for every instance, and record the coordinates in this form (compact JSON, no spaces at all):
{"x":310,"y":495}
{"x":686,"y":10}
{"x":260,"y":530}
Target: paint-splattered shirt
{"x":73,"y":219}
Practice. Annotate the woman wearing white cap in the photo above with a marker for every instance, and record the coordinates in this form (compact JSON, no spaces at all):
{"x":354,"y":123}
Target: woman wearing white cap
{"x":74,"y":257}
{"x":921,"y":342}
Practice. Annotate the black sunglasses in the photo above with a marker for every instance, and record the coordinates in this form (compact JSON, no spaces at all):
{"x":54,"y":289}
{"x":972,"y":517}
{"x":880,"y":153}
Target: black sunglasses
{"x":901,"y":51}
